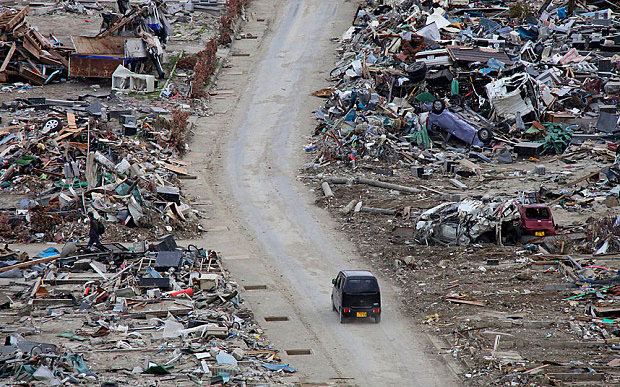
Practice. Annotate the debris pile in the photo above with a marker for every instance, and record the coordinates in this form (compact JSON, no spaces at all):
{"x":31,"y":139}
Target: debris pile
{"x":470,"y":150}
{"x":411,"y":78}
{"x":27,"y":54}
{"x":172,"y":314}
{"x":65,"y":158}
{"x":115,"y":154}
{"x":135,"y":36}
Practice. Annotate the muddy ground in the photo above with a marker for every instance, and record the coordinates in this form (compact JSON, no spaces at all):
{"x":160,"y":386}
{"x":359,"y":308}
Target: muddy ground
{"x":517,"y":318}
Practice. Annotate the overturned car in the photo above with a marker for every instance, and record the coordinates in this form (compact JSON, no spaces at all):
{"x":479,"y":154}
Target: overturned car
{"x":449,"y":123}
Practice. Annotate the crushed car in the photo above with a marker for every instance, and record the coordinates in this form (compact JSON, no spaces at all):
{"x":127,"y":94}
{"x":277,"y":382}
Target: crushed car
{"x":537,"y":219}
{"x":474,"y":221}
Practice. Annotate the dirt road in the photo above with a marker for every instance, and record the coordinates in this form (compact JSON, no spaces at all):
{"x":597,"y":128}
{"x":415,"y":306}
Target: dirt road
{"x":273,"y":237}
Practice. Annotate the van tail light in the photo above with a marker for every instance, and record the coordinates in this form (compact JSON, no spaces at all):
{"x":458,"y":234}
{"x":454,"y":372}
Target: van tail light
{"x":346,"y":310}
{"x":377,"y":310}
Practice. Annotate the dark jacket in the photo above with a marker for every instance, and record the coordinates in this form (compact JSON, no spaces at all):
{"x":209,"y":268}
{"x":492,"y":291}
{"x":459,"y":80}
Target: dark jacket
{"x":94,"y":228}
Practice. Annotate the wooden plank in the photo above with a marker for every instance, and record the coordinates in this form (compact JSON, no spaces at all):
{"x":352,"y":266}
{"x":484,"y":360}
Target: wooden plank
{"x":34,"y":291}
{"x":7,"y":60}
{"x":587,"y":176}
{"x":536,"y":369}
{"x":52,"y":301}
{"x":17,"y":18}
{"x":71,"y":121}
{"x":410,"y":158}
{"x":177,"y":170}
{"x":80,"y":145}
{"x":180,"y":162}
{"x":30,"y":263}
{"x":468,"y":302}
{"x":614,"y":363}
{"x":431,"y":190}
{"x":68,"y":133}
{"x":31,"y":75}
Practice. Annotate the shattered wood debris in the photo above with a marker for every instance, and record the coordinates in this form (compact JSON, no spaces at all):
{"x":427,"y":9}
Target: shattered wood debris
{"x":173,"y":315}
{"x":28,"y":54}
{"x":471,"y":151}
{"x":69,"y":158}
{"x":103,"y":313}
{"x":116,"y":155}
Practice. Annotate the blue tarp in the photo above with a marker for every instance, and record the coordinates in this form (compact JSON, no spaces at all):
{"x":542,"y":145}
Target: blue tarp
{"x":50,"y":251}
{"x":278,"y":367}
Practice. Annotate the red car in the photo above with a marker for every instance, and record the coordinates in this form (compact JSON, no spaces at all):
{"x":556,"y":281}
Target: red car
{"x":537,"y":220}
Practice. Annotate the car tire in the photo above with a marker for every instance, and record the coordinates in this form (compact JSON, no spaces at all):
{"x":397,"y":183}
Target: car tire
{"x":485,"y":135}
{"x":341,"y":317}
{"x":333,"y":306}
{"x":377,"y":319}
{"x":52,"y":125}
{"x":438,"y":106}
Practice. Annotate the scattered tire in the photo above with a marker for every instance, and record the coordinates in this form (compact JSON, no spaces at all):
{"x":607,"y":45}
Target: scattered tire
{"x":51,"y":125}
{"x":377,"y":319}
{"x":485,"y":135}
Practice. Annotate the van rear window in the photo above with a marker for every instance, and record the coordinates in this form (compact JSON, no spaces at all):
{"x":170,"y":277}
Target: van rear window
{"x":361,"y":285}
{"x":537,"y":213}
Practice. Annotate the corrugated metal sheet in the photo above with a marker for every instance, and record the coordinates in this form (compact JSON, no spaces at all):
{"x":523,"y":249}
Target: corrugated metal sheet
{"x":477,"y":54}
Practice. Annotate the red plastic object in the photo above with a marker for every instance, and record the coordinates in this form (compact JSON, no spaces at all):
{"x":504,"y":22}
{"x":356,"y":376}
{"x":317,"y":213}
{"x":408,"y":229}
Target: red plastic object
{"x":189,"y":292}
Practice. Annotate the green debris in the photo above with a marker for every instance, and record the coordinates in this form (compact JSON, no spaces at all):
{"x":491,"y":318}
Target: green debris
{"x":588,"y":292}
{"x":75,"y":184}
{"x":421,"y":138}
{"x":557,"y":137}
{"x":78,"y":363}
{"x":24,"y":160}
{"x":425,"y":97}
{"x":455,"y":86}
{"x":73,"y":336}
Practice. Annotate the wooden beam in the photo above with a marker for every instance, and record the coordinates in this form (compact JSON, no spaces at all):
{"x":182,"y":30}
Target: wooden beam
{"x":15,"y":20}
{"x":468,"y":302}
{"x":30,"y":263}
{"x":7,"y":60}
{"x":587,"y":176}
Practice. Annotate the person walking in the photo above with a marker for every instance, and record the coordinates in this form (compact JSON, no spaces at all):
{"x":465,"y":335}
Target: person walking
{"x":96,"y":230}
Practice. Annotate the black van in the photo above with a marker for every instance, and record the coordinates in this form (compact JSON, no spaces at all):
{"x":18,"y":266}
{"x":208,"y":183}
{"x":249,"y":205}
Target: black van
{"x":356,"y":294}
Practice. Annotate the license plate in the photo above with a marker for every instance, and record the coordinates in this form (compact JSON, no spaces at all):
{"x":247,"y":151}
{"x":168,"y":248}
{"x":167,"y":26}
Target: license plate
{"x":361,"y":314}
{"x":539,"y":233}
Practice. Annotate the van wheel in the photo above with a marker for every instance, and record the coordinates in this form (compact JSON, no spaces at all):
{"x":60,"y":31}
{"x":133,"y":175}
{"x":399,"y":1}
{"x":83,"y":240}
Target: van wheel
{"x":341,"y":317}
{"x":485,"y":135}
{"x":438,"y":106}
{"x":377,"y":319}
{"x":333,"y":306}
